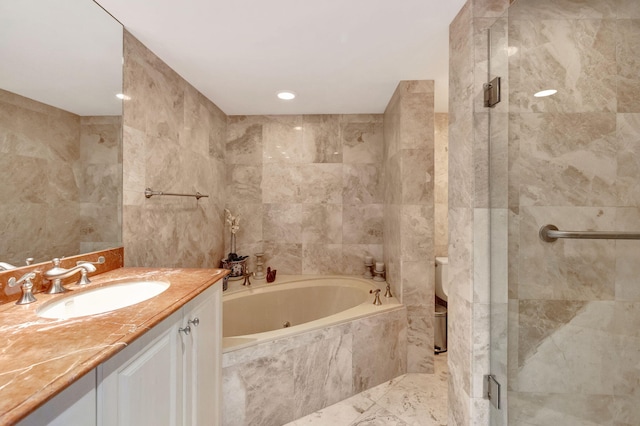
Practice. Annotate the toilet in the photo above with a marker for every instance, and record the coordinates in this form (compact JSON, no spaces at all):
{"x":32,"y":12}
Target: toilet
{"x":440,"y":320}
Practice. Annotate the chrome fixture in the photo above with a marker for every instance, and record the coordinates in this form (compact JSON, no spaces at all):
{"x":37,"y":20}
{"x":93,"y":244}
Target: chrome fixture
{"x":376,"y":299}
{"x":247,"y":277}
{"x":57,"y":274}
{"x":6,"y":266}
{"x":550,"y":233}
{"x":84,"y":279}
{"x":26,"y":285}
{"x":148,"y":192}
{"x":492,"y":93}
{"x":187,"y":330}
{"x":225,"y":283}
{"x":387,"y":293}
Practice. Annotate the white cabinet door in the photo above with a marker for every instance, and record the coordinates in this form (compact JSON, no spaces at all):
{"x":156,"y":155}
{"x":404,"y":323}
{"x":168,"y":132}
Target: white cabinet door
{"x":172,"y":374}
{"x":203,"y":359}
{"x":142,"y":384}
{"x":76,"y":405}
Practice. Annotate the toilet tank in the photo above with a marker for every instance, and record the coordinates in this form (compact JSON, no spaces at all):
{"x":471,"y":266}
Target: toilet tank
{"x":442,"y":277}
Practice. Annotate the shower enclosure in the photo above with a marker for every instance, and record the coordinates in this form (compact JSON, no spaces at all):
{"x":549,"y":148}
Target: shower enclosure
{"x":565,"y":320}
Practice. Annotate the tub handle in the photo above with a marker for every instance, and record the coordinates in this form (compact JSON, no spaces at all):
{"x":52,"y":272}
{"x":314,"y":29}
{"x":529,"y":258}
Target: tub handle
{"x":247,"y":278}
{"x":376,"y":299}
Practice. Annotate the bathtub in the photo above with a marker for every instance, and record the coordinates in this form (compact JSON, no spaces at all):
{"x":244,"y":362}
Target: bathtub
{"x":304,"y":343}
{"x":296,"y":304}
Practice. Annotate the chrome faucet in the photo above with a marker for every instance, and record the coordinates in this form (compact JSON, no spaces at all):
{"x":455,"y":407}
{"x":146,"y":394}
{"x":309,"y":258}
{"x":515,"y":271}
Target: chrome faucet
{"x":84,"y":279}
{"x":376,"y":298}
{"x":6,"y":266}
{"x":26,"y":285}
{"x":57,"y":274}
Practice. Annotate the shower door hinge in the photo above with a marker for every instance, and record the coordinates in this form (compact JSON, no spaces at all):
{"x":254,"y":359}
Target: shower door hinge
{"x":492,"y":93}
{"x":492,"y":390}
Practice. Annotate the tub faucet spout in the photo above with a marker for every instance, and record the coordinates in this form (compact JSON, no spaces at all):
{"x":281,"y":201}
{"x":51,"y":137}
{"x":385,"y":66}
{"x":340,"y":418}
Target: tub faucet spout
{"x":247,"y":280}
{"x":376,"y":299}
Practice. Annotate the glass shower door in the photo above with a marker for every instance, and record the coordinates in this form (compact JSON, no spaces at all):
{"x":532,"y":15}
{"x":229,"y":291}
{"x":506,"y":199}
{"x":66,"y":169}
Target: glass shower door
{"x":499,"y":215}
{"x":572,"y":339}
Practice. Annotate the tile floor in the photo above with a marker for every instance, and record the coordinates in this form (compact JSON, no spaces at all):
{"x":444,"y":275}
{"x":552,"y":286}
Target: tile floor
{"x":411,"y":400}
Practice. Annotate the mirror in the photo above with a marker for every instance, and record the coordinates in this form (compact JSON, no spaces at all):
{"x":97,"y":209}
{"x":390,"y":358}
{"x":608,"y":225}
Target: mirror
{"x":60,"y":129}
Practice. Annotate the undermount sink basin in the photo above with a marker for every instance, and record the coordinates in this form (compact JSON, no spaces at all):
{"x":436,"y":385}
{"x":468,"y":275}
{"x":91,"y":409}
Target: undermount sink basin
{"x":102,"y":299}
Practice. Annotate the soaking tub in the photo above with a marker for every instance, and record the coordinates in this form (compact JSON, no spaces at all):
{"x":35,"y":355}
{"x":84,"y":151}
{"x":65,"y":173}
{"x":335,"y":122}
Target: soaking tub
{"x":296,"y":304}
{"x":304,"y":343}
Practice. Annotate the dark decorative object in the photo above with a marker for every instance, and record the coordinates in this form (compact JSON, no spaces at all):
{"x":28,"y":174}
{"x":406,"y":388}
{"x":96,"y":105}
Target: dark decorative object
{"x":271,"y":275}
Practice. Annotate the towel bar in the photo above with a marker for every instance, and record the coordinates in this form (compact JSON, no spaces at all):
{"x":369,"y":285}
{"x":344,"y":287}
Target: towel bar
{"x":550,"y":233}
{"x":148,"y":192}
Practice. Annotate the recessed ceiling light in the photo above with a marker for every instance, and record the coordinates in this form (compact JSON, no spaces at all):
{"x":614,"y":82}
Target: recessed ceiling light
{"x":286,"y":95}
{"x":543,"y":93}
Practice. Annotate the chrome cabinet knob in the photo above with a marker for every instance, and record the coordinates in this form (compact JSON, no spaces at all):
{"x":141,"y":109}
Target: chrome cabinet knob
{"x":195,"y":322}
{"x":186,"y":330}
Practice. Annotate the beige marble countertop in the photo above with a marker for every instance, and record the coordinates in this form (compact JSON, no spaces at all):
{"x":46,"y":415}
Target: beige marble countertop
{"x":41,"y":357}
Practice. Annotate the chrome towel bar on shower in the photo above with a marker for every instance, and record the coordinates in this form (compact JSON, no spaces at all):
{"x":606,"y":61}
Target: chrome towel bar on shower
{"x":550,"y":233}
{"x":148,"y":192}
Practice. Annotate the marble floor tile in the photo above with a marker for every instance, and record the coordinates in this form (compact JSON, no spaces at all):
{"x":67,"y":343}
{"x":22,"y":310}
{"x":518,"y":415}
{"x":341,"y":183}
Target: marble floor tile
{"x":410,"y":399}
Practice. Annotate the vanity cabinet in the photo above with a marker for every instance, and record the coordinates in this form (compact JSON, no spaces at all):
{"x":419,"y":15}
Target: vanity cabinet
{"x":202,"y":361}
{"x":76,"y":405}
{"x":170,"y":375}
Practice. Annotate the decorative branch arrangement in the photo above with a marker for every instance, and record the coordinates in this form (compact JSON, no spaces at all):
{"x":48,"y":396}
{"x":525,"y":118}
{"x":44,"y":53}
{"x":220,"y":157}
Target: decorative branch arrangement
{"x":234,"y":224}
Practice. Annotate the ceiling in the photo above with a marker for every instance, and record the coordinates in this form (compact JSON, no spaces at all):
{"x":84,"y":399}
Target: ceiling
{"x":339,"y":56}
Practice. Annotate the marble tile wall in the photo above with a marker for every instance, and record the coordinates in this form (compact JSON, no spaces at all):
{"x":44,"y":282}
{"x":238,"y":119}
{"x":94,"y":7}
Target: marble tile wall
{"x":173,"y":141}
{"x":441,"y":184}
{"x":409,"y":213}
{"x":574,"y":158}
{"x":410,"y":399}
{"x":58,"y":171}
{"x":469,"y":215}
{"x":279,"y":381}
{"x":101,"y":185}
{"x":308,"y":189}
